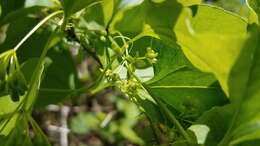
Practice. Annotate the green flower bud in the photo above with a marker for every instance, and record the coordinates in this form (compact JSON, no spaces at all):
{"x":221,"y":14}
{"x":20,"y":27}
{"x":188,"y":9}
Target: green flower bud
{"x":103,"y":38}
{"x":151,"y":54}
{"x":108,"y":73}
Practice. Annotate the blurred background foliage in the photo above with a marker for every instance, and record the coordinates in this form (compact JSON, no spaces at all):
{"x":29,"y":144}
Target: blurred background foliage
{"x":107,"y":118}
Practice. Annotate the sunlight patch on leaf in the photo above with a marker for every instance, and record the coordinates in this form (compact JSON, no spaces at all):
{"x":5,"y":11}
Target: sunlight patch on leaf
{"x":201,"y":132}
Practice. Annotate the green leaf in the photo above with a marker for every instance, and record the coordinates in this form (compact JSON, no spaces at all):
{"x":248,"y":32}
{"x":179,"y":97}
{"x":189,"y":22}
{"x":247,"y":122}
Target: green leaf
{"x":7,"y":123}
{"x":255,"y":5}
{"x":7,"y":118}
{"x":180,"y":85}
{"x":72,"y":6}
{"x":217,"y":119}
{"x":151,"y":110}
{"x":181,"y":143}
{"x":248,"y":13}
{"x":18,"y":135}
{"x":189,"y":2}
{"x":60,"y":79}
{"x":238,"y":72}
{"x":244,"y":85}
{"x":37,"y":73}
{"x":147,"y":24}
{"x":201,"y":39}
{"x":101,"y":13}
{"x":16,"y":30}
{"x":189,"y":91}
{"x":39,"y":139}
{"x":170,"y":59}
{"x":20,"y":13}
{"x":34,"y":85}
{"x":9,"y":6}
{"x":8,"y":105}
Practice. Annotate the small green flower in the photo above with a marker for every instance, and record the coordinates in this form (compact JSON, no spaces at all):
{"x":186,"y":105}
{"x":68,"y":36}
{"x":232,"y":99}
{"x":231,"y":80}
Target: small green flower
{"x":112,"y":76}
{"x":151,"y":55}
{"x":103,"y":38}
{"x":129,"y":86}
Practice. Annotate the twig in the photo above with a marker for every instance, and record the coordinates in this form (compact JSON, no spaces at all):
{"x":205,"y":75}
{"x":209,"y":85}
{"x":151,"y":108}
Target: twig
{"x":64,"y":126}
{"x":63,"y":129}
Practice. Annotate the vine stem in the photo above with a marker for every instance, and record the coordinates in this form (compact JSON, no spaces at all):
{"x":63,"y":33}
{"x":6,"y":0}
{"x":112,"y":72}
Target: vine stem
{"x":174,"y":120}
{"x":166,"y":110}
{"x":171,"y":117}
{"x":84,"y":46}
{"x":36,"y":28}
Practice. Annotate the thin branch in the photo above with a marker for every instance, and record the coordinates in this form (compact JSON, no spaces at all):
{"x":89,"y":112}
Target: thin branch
{"x":174,"y":120}
{"x":72,"y":34}
{"x":92,"y":54}
{"x":64,"y":110}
